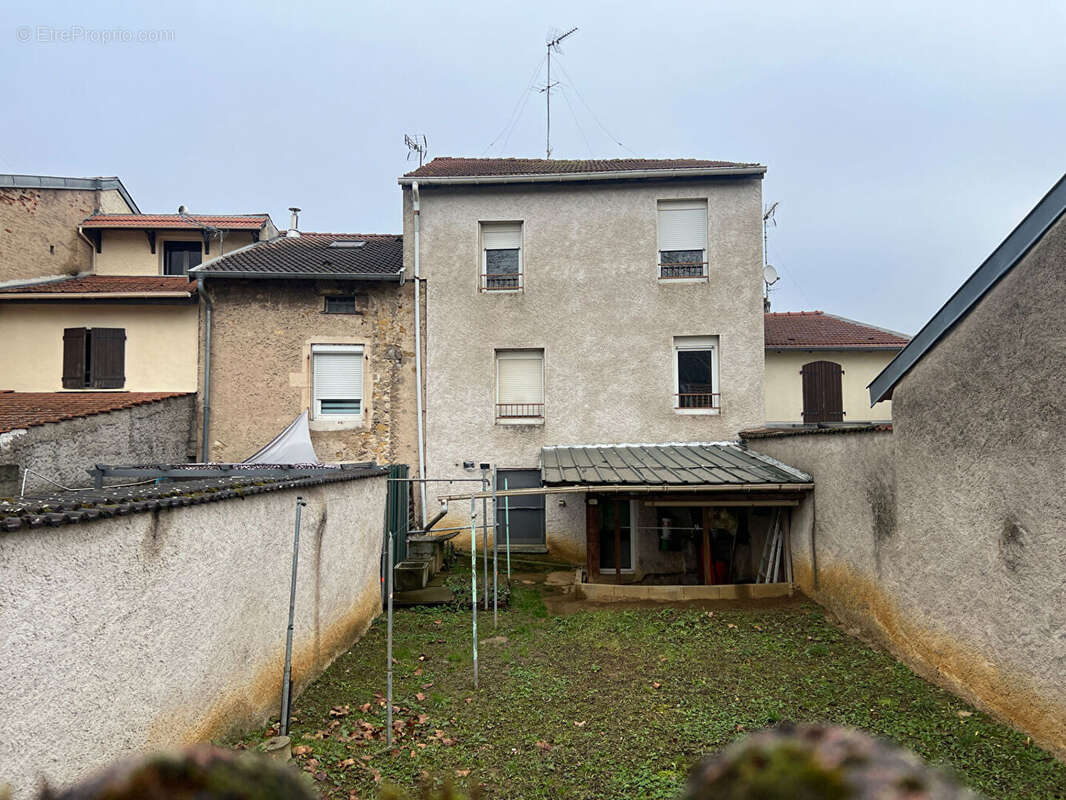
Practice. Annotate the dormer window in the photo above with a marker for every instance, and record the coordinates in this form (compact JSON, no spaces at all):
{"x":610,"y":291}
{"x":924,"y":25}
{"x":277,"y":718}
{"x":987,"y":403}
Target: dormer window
{"x":180,"y":257}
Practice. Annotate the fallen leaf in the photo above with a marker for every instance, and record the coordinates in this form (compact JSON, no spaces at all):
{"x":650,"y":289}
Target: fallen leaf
{"x":427,"y":685}
{"x":423,"y":718}
{"x":438,"y":622}
{"x":301,"y":750}
{"x":470,"y":699}
{"x":580,"y":724}
{"x":320,"y":776}
{"x":339,"y":711}
{"x":730,"y":624}
{"x":542,"y":745}
{"x":419,"y":696}
{"x":462,"y":773}
{"x":417,"y":672}
{"x":656,"y":685}
{"x":348,"y":762}
{"x":965,"y":713}
{"x":365,"y":707}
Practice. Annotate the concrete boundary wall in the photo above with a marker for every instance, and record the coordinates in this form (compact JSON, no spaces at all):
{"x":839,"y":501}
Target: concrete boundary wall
{"x":149,"y":630}
{"x":943,"y":596}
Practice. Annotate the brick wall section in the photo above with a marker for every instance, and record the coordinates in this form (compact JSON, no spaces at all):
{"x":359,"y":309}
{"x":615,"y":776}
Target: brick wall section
{"x":66,"y":435}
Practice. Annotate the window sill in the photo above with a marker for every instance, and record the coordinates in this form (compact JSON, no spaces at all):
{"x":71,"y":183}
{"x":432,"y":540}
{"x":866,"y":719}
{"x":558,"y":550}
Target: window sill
{"x":672,"y":281}
{"x":321,"y":424}
{"x":502,"y":291}
{"x":521,"y":421}
{"x":707,"y":412}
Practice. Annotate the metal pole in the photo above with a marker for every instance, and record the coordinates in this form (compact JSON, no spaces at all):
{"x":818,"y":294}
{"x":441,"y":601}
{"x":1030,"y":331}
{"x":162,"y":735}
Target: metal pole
{"x":485,"y":534}
{"x":473,"y":577}
{"x":495,"y":558}
{"x":390,"y":558}
{"x":507,"y":527}
{"x":286,"y":693}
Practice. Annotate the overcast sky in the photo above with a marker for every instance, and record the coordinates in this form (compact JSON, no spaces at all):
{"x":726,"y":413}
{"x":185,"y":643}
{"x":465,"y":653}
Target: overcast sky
{"x":903,"y":140}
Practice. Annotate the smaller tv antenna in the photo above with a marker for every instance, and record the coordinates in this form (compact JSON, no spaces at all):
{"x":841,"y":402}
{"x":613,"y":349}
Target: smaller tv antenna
{"x":416,"y":144}
{"x":769,"y":272}
{"x":554,"y":43}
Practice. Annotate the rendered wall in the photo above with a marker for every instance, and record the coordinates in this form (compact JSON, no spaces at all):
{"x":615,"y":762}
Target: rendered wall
{"x":39,"y":230}
{"x":158,"y":629}
{"x":784,"y":384}
{"x":153,"y":433}
{"x":606,"y":324}
{"x":160,"y":343}
{"x":260,"y":370}
{"x":945,"y":539}
{"x":126,"y":252}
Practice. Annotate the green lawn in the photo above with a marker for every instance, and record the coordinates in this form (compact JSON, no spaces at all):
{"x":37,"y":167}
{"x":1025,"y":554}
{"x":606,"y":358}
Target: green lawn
{"x":620,"y":703}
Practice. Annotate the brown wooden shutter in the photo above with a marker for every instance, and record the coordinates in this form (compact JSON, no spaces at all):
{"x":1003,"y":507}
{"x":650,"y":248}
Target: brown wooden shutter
{"x":74,"y":358}
{"x":823,"y":398}
{"x":107,"y":358}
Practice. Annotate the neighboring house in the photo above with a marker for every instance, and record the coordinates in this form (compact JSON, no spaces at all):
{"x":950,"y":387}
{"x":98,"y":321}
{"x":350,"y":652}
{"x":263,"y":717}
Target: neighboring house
{"x":818,"y":366}
{"x":312,"y":321}
{"x":39,"y":219}
{"x":573,"y":305}
{"x":127,"y":316}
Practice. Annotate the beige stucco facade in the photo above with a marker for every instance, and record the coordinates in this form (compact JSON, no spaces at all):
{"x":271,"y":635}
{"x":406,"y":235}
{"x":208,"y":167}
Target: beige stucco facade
{"x":127,"y":252}
{"x":39,"y":230}
{"x":161,"y":352}
{"x":262,"y":336}
{"x":784,"y":384}
{"x":592,"y":301}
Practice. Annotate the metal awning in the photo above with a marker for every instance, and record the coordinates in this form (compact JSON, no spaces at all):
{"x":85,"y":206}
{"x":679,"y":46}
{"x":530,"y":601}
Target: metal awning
{"x":666,"y":465}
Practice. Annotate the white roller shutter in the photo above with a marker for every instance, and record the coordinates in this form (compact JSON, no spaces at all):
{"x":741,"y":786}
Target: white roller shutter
{"x":501,"y":235}
{"x":682,"y":225}
{"x":337,"y":376}
{"x":520,"y":376}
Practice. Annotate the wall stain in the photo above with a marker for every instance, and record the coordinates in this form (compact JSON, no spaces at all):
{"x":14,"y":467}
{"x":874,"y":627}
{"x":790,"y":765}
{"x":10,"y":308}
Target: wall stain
{"x":1012,"y":545}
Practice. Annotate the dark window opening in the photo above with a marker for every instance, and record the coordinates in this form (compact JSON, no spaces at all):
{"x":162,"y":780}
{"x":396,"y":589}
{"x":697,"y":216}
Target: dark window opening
{"x":180,"y":257}
{"x":524,"y":513}
{"x":823,"y":397}
{"x":501,"y":269}
{"x":94,"y":358}
{"x":340,"y":304}
{"x":682,"y":264}
{"x":695,"y":379}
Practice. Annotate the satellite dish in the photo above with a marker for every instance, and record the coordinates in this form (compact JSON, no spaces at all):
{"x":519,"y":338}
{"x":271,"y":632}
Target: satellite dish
{"x":769,"y":274}
{"x":182,"y":210}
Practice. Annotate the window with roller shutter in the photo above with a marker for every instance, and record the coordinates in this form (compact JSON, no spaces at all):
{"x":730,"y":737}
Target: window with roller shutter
{"x":519,"y":385}
{"x":94,"y":358}
{"x":337,"y":381}
{"x":682,"y":239}
{"x":501,"y":256}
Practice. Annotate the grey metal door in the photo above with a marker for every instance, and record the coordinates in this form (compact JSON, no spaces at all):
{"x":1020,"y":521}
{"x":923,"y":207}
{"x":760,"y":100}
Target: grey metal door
{"x":526,"y":512}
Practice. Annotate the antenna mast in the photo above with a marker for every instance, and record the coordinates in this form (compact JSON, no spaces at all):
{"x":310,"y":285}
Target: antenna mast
{"x":416,"y":144}
{"x":553,"y":44}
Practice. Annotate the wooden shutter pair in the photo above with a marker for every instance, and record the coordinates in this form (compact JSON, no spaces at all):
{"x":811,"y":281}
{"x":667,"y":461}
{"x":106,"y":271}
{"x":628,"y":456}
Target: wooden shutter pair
{"x":823,"y":399}
{"x":94,"y":358}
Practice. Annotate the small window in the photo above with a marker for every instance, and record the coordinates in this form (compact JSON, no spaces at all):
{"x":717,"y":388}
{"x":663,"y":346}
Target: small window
{"x":337,"y":381}
{"x":501,"y":256}
{"x":519,"y":385}
{"x":340,"y":304}
{"x":180,"y":257}
{"x":696,"y":374}
{"x":94,"y":358}
{"x":682,"y":239}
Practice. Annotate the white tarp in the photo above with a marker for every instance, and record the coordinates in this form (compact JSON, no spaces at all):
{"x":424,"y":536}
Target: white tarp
{"x":291,"y":446}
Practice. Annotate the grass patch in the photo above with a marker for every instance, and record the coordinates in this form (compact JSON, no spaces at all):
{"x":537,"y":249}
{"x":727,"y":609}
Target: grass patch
{"x":611,"y":703}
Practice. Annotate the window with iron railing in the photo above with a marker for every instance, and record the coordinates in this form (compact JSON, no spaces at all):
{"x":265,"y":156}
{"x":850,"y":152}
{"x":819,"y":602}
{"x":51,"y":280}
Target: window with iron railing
{"x":696,"y":374}
{"x":501,"y":256}
{"x":519,"y":386}
{"x":682,"y":239}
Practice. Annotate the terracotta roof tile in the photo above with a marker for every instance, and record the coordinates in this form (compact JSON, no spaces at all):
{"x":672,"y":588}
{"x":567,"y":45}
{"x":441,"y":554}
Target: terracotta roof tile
{"x":447,"y":167}
{"x":29,"y":409}
{"x":378,"y":254}
{"x":187,"y":222}
{"x":807,"y":329}
{"x":106,"y":284}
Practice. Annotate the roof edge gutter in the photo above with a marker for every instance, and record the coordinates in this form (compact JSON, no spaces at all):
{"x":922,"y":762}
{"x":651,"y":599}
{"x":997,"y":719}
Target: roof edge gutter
{"x":4,"y":297}
{"x":582,"y":176}
{"x":385,"y":277}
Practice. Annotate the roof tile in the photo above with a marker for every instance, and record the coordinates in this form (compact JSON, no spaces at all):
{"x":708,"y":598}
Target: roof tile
{"x":29,"y":409}
{"x":805,"y":329}
{"x":311,"y":254}
{"x":448,"y":167}
{"x":177,"y":221}
{"x":106,"y":284}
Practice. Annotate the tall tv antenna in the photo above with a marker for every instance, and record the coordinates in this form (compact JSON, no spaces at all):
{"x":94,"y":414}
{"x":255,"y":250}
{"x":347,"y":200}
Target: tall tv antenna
{"x":554,"y":40}
{"x":416,"y":144}
{"x":769,"y":274}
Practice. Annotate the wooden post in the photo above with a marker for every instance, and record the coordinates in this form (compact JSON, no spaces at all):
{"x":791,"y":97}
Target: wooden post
{"x":617,"y":541}
{"x":592,"y":536}
{"x":707,"y":568}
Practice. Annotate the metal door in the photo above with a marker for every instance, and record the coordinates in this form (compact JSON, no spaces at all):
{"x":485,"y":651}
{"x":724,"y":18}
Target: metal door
{"x":526,"y":512}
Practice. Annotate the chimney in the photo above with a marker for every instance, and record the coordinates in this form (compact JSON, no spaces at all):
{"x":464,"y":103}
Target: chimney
{"x":294,"y":222}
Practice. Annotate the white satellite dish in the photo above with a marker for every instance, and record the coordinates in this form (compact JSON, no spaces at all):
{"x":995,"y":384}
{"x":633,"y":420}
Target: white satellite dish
{"x":769,"y":274}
